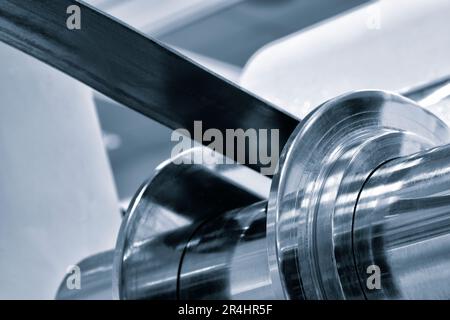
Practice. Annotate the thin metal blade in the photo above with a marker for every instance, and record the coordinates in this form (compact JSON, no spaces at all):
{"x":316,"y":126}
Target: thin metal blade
{"x":135,"y":70}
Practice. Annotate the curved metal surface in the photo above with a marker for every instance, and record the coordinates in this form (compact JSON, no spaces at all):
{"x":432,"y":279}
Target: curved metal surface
{"x":227,"y":258}
{"x":322,"y":170}
{"x":95,"y":279}
{"x":402,"y":226}
{"x":348,"y":194}
{"x":162,"y":218}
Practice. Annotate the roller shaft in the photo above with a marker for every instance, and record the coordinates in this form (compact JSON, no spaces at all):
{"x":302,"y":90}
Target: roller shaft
{"x":402,"y":225}
{"x":371,"y":192}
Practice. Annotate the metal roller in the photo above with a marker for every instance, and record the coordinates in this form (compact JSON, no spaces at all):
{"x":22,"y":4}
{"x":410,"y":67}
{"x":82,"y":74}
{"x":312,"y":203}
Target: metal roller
{"x":361,"y":182}
{"x":405,"y":228}
{"x":160,"y":220}
{"x":353,"y":191}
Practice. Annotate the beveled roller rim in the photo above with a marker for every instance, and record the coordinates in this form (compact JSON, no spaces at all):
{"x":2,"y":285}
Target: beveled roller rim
{"x":321,"y":170}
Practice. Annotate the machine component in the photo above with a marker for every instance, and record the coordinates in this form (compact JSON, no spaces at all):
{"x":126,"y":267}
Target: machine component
{"x":96,"y":274}
{"x":160,"y":220}
{"x":192,"y":232}
{"x":405,"y":228}
{"x":348,"y":195}
{"x":325,"y":166}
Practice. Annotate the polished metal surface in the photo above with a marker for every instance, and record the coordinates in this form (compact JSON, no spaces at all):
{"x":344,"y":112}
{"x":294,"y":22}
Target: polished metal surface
{"x":135,"y":70}
{"x":362,"y":182}
{"x":402,"y":225}
{"x":322,"y":169}
{"x":227,"y":258}
{"x":163,"y":217}
{"x":363,"y":179}
{"x":160,"y":223}
{"x":196,"y":244}
{"x":95,"y":279}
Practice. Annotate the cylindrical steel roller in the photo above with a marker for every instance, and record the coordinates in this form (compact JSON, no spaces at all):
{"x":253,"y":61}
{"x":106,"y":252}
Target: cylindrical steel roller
{"x":402,"y":226}
{"x":359,"y":184}
{"x":164,"y":215}
{"x":227,"y":258}
{"x":322,"y":170}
